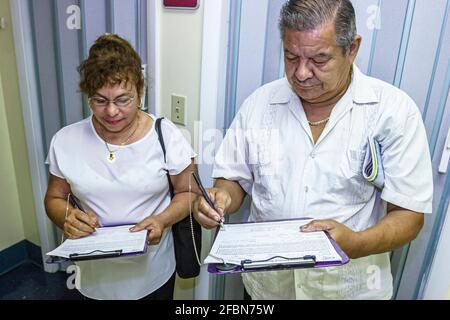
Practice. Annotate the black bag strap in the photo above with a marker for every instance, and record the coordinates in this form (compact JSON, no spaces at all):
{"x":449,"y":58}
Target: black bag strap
{"x":161,"y":142}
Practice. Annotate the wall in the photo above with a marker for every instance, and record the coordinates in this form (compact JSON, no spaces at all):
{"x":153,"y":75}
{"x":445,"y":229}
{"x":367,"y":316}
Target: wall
{"x":11,"y":227}
{"x":180,"y":52}
{"x":17,"y":215}
{"x":181,"y":56}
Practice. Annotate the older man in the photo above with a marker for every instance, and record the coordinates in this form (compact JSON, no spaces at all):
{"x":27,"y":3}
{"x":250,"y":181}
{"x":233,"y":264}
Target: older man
{"x":297,"y":145}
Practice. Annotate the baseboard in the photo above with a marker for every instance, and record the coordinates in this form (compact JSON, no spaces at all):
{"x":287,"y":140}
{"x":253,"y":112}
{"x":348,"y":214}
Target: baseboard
{"x":34,"y":253}
{"x":23,"y":251}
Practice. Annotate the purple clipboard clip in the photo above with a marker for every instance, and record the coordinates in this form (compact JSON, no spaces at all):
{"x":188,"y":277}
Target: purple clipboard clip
{"x":308,"y":261}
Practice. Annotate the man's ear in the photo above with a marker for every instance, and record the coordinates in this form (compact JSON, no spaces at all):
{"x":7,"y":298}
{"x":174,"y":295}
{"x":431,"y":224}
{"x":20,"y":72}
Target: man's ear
{"x":354,"y":48}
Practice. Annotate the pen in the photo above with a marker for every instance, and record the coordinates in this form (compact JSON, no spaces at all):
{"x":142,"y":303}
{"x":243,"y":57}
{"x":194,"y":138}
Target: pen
{"x":76,"y":204}
{"x":205,"y":194}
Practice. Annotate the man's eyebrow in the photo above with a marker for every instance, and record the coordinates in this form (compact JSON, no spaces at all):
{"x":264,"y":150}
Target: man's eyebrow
{"x":322,"y":55}
{"x":286,"y":50}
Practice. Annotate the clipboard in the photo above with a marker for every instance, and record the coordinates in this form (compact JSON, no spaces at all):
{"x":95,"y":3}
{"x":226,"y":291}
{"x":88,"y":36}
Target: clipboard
{"x":95,"y":254}
{"x":306,"y":261}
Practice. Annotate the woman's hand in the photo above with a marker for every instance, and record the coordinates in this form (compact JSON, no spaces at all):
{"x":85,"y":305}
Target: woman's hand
{"x":79,"y":224}
{"x":154,"y":226}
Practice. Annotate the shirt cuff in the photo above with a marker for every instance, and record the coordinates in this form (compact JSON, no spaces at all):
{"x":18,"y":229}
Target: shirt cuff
{"x":406,"y":202}
{"x":225,"y":174}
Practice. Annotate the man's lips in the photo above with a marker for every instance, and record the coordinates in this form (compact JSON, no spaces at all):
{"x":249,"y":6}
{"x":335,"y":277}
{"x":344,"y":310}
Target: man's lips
{"x":303,"y":87}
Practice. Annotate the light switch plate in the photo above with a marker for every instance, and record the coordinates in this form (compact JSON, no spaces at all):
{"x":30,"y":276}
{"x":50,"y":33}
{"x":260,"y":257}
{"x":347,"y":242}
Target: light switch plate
{"x":178,"y":109}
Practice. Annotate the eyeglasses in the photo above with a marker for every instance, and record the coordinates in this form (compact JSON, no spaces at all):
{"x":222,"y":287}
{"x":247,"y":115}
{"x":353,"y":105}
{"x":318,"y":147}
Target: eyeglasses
{"x":119,"y":102}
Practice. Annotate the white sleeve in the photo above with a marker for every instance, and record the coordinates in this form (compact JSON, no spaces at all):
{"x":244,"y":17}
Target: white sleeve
{"x":407,"y":165}
{"x":231,"y":161}
{"x":179,"y":152}
{"x":52,"y":160}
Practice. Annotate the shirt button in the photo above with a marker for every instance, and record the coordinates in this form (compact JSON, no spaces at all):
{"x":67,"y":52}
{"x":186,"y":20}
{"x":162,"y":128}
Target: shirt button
{"x":313,"y":155}
{"x":306,"y":189}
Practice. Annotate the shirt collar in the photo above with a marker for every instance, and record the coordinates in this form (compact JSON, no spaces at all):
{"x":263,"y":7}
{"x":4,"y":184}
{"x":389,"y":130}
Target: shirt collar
{"x":361,"y":90}
{"x":283,"y":95}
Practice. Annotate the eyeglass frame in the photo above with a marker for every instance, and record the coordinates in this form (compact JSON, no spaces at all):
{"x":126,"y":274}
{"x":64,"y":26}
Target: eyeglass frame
{"x":107,"y":102}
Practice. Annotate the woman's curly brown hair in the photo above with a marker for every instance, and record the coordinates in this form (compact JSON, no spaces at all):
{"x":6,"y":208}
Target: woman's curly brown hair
{"x":112,"y":60}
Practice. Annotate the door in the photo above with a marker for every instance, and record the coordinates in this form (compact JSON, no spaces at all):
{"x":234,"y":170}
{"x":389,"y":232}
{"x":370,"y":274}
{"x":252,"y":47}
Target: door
{"x":405,"y":43}
{"x":52,"y":38}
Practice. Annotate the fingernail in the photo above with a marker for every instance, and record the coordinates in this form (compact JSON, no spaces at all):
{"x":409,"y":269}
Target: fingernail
{"x":132,"y":229}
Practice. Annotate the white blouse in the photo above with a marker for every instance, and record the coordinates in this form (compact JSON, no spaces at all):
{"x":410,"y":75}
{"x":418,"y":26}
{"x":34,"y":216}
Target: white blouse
{"x":126,"y":191}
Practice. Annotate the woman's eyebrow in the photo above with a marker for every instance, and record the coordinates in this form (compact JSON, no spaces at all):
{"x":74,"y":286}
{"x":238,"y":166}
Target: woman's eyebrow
{"x":119,"y":96}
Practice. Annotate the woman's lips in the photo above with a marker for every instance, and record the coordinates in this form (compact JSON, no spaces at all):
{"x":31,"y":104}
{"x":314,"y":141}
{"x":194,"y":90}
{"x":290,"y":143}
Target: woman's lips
{"x":112,"y":122}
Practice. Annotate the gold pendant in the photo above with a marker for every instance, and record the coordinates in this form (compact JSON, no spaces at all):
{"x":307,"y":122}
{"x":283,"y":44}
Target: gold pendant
{"x":111,"y":158}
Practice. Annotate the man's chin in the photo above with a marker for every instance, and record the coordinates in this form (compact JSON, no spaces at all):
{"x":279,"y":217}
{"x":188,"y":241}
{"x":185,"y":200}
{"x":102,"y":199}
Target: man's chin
{"x":308,"y":95}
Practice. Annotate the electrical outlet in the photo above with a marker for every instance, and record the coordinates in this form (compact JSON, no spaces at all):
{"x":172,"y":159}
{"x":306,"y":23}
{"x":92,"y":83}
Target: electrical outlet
{"x":178,"y":109}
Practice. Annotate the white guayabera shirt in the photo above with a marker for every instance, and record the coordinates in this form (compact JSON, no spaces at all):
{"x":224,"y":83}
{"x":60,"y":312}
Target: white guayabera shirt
{"x":269,"y":150}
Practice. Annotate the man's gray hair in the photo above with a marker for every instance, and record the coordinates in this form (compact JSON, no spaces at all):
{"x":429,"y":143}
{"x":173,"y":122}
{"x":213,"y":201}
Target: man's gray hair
{"x":307,"y":15}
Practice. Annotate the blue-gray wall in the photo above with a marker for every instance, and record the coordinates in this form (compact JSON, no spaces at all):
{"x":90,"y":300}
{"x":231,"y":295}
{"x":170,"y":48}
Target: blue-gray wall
{"x":60,"y":49}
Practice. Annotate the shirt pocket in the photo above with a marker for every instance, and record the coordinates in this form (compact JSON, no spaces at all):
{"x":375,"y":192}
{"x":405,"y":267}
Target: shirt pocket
{"x":266,"y":185}
{"x":350,"y":187}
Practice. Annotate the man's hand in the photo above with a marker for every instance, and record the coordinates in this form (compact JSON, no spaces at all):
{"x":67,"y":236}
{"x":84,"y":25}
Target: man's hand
{"x":210,"y":217}
{"x":79,"y":224}
{"x":154,"y":226}
{"x":346,"y":238}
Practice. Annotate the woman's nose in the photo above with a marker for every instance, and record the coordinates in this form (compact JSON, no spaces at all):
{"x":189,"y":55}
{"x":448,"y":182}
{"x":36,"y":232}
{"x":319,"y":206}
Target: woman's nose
{"x":111,"y":109}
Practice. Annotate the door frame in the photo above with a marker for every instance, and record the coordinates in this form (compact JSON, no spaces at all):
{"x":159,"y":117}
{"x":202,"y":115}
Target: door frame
{"x":23,"y":40}
{"x":212,"y":108}
{"x":33,"y":118}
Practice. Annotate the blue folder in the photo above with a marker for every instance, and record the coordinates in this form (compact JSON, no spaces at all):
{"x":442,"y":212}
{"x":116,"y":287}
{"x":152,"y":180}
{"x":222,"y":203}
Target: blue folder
{"x":373,"y":170}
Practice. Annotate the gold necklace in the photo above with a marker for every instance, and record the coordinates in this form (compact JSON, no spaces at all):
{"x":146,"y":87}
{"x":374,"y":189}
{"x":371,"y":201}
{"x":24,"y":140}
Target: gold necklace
{"x":111,"y":158}
{"x":318,"y":123}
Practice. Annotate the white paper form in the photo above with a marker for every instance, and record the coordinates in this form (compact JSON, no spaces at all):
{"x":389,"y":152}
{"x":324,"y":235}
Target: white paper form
{"x":264,"y":240}
{"x":107,"y":239}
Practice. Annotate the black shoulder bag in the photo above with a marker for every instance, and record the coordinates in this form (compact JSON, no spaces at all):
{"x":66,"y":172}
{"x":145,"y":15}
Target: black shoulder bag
{"x":185,"y":232}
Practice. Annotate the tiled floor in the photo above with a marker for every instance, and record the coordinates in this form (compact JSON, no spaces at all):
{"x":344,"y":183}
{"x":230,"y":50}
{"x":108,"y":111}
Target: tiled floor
{"x":29,"y":281}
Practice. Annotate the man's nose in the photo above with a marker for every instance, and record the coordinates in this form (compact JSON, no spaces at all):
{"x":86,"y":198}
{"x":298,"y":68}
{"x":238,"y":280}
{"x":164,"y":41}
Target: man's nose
{"x":303,"y":72}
